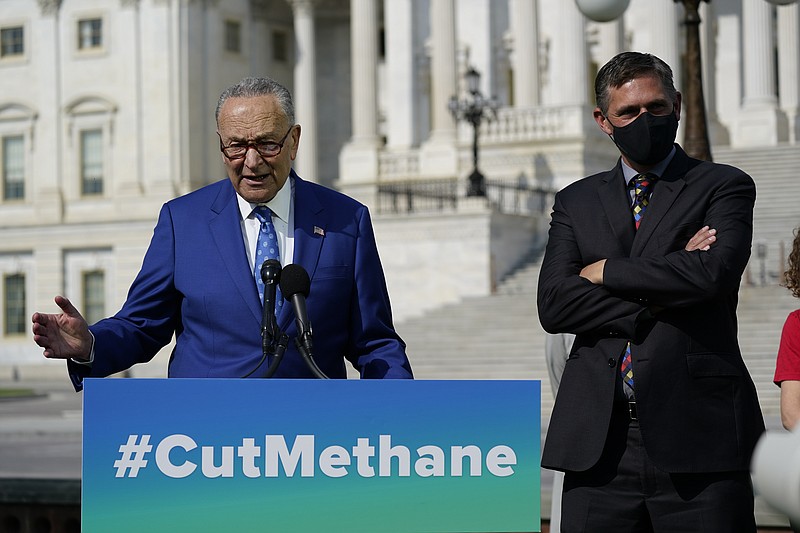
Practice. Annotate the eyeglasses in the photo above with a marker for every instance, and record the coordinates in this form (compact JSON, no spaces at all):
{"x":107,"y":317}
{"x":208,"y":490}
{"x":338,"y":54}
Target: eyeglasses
{"x":264,"y":149}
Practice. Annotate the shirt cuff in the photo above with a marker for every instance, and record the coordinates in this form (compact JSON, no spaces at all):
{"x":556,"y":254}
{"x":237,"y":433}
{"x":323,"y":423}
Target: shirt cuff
{"x":91,"y":355}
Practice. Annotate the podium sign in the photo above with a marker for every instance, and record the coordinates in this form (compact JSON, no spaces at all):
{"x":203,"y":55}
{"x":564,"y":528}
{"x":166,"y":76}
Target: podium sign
{"x":196,"y":455}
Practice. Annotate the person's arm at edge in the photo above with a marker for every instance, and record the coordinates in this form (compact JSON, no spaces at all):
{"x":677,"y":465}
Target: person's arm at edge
{"x":376,"y":348}
{"x":787,"y":369}
{"x":790,"y":403}
{"x":122,"y":340}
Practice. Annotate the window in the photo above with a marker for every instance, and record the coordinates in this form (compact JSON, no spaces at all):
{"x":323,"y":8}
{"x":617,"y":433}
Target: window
{"x":13,"y":169}
{"x":233,"y":36}
{"x":12,"y":42}
{"x":14,"y":304}
{"x":280,"y":46}
{"x":16,"y":273}
{"x":89,"y":280}
{"x":91,"y":162}
{"x":94,"y":295}
{"x":90,"y":34}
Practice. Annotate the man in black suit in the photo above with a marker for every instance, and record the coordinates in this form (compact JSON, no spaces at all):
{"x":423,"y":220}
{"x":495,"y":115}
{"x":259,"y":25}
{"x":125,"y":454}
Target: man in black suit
{"x":646,"y":260}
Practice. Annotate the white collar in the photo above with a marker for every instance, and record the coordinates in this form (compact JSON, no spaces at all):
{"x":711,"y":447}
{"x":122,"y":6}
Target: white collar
{"x":279,"y":205}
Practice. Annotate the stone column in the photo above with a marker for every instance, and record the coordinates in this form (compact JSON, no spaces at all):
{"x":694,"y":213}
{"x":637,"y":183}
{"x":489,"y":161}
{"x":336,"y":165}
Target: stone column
{"x":759,"y":78}
{"x":567,"y":93}
{"x":439,"y":157}
{"x":717,"y":133}
{"x":401,"y":74}
{"x":525,"y":57}
{"x":358,"y":161}
{"x":667,"y":18}
{"x":610,"y":41}
{"x":364,"y":60}
{"x":569,"y":84}
{"x":789,"y":66}
{"x":49,"y":127}
{"x":443,"y":67}
{"x":760,"y":123}
{"x":131,"y":183}
{"x":305,"y":88}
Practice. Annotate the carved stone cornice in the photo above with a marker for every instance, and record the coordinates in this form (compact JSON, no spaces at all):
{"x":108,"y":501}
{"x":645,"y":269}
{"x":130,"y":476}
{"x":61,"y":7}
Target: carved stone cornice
{"x":303,"y":4}
{"x":202,"y":3}
{"x":49,"y":7}
{"x":260,"y":9}
{"x":334,"y":8}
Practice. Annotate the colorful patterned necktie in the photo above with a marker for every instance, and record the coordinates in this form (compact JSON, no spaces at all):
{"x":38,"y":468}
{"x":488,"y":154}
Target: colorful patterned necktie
{"x":642,"y":186}
{"x":626,"y":367}
{"x":266,"y":248}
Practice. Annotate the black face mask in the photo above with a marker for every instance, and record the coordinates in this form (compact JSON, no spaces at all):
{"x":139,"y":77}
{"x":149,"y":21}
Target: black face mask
{"x":648,"y":139}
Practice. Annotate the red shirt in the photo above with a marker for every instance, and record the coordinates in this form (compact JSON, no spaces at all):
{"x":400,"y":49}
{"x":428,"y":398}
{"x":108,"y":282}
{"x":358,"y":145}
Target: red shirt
{"x":788,"y":364}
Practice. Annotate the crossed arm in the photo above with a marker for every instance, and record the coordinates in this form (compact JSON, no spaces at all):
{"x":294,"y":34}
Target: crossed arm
{"x":608,"y":297}
{"x":702,"y":241}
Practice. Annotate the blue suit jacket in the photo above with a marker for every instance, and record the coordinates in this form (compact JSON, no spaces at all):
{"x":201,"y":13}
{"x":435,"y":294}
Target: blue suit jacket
{"x":196,"y":283}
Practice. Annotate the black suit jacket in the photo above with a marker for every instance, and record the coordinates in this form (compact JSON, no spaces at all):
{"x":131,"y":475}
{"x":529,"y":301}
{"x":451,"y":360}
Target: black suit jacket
{"x":696,"y":402}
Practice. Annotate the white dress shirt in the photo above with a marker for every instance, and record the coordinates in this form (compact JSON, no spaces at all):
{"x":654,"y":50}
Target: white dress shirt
{"x":282,"y":207}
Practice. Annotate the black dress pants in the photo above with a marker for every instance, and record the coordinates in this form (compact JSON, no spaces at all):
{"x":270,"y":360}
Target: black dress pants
{"x":626,"y":493}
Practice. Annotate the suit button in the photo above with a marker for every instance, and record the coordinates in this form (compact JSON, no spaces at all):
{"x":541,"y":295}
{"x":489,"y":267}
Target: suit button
{"x":612,"y":362}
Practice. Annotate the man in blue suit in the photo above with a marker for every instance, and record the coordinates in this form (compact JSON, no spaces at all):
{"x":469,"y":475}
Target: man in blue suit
{"x":197,"y":278}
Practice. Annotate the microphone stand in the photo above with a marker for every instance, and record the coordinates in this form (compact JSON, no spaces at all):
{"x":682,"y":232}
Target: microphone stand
{"x":303,"y":343}
{"x":295,"y":285}
{"x":280,"y":349}
{"x":277,"y":353}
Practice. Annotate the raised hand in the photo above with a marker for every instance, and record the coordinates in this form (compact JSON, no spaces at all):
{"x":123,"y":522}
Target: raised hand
{"x":63,"y":335}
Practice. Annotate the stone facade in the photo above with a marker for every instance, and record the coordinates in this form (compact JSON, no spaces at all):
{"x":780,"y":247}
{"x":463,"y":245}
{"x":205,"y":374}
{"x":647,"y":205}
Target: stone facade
{"x":371,"y":81}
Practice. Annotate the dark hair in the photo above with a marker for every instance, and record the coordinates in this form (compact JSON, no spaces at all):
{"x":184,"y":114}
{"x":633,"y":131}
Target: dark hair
{"x":627,"y":66}
{"x":792,"y":274}
{"x":250,"y":87}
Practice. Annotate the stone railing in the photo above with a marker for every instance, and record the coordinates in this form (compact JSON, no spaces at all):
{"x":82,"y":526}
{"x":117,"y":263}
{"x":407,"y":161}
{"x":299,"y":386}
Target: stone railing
{"x":439,"y":195}
{"x":393,"y":165}
{"x":512,"y":127}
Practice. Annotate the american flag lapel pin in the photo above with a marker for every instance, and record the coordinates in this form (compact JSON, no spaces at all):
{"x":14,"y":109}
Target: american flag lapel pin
{"x":319,"y":231}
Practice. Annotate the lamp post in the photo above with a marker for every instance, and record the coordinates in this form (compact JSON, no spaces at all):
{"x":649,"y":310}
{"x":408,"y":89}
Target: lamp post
{"x":696,"y":140}
{"x":474,"y":109}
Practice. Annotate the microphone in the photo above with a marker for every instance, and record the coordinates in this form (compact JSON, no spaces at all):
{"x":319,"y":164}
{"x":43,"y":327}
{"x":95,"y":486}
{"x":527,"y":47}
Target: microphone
{"x":273,"y":340}
{"x":270,"y":275}
{"x":295,"y":286}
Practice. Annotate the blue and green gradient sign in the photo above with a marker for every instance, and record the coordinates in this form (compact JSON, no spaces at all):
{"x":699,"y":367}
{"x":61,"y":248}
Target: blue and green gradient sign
{"x":190,"y":455}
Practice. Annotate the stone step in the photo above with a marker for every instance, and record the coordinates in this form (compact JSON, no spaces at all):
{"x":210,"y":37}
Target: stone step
{"x":446,"y":344}
{"x":499,"y":336}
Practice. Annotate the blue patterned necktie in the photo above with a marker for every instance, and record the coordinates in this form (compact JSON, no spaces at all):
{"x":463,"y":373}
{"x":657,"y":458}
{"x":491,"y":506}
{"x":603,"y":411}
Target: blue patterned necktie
{"x":266,"y":248}
{"x":642,"y":186}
